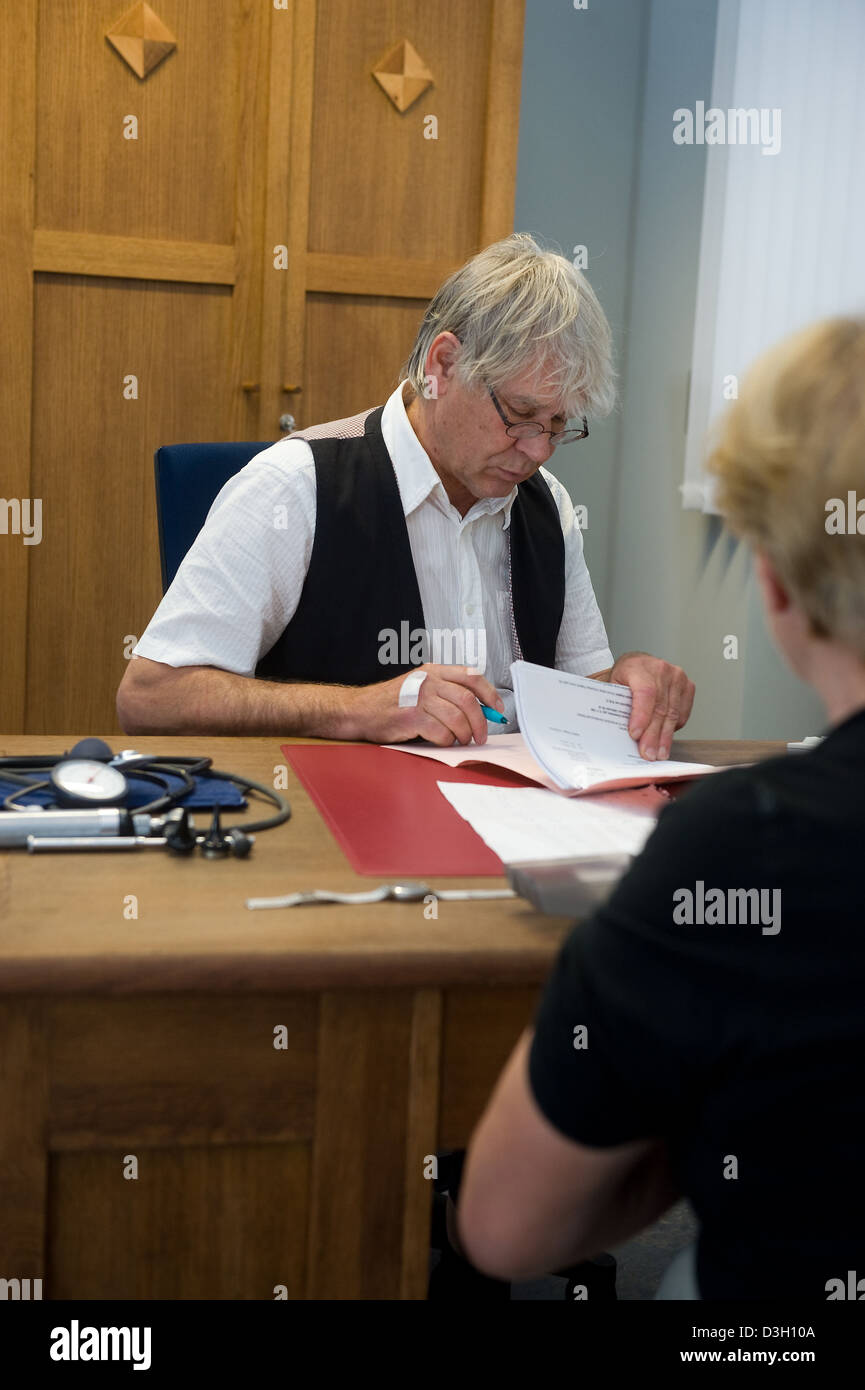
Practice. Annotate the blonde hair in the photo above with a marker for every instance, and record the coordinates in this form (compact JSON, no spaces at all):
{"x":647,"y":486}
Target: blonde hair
{"x":514,"y":307}
{"x":792,"y":442}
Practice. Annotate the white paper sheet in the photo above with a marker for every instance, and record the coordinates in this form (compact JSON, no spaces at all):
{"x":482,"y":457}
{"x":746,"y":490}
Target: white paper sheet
{"x":523,"y":824}
{"x":577,"y":730}
{"x":509,"y":751}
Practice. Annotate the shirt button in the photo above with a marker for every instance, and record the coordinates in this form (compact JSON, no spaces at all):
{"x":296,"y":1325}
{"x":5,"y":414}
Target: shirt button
{"x":470,"y":608}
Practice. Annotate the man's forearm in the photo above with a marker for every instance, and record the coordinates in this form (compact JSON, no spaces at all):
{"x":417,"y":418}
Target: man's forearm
{"x":205,"y":700}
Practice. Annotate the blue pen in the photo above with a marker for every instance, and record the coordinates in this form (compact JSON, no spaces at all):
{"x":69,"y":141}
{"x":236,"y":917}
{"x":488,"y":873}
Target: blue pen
{"x":493,"y":714}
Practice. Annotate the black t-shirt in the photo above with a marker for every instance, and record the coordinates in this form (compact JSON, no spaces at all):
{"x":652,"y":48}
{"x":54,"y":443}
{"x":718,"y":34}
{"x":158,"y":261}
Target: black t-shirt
{"x":744,"y":1044}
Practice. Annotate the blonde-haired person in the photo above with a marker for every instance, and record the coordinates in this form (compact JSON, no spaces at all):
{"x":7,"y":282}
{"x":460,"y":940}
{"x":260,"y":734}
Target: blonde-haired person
{"x":422,"y":536}
{"x":723,"y":1051}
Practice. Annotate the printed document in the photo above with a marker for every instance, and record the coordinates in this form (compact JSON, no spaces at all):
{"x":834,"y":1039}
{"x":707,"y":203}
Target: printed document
{"x":574,"y":737}
{"x":577,"y":730}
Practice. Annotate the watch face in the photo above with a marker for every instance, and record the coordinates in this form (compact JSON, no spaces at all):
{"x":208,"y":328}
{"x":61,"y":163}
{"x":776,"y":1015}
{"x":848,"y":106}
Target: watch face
{"x":81,"y":779}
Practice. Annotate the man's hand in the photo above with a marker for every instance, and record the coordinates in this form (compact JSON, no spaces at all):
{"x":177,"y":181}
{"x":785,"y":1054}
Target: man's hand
{"x":663,"y":699}
{"x":447,"y":711}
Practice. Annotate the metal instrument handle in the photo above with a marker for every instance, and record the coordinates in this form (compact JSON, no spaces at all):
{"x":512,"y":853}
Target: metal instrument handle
{"x":39,"y":844}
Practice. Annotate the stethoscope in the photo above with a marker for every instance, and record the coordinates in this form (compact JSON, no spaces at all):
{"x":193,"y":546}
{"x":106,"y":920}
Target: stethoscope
{"x":90,"y":786}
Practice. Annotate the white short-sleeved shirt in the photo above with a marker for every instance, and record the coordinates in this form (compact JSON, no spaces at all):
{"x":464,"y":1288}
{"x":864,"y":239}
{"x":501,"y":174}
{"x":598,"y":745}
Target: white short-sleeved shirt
{"x":240,"y":582}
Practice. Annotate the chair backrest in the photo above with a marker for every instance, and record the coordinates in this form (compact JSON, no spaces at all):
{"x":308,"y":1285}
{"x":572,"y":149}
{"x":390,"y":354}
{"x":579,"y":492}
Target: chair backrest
{"x":188,"y":478}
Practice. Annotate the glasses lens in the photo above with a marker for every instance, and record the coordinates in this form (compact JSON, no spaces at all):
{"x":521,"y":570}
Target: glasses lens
{"x":529,"y":430}
{"x":568,"y":436}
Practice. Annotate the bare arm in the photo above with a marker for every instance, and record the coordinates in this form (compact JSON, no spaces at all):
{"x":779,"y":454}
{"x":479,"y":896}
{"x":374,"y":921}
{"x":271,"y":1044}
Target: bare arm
{"x":533,"y":1200}
{"x":154,"y":698}
{"x":157,"y":699}
{"x":644,"y":1194}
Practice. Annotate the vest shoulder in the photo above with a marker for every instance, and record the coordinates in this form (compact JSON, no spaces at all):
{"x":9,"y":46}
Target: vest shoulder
{"x":349,"y":427}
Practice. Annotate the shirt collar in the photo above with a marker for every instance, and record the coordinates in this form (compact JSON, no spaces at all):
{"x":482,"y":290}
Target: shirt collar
{"x":416,"y":477}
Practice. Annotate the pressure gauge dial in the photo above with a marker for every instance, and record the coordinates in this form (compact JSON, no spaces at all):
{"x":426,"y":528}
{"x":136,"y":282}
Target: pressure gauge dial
{"x":84,"y":782}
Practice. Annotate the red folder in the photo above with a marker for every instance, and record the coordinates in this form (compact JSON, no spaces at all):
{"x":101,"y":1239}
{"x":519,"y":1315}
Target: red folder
{"x":387,"y":813}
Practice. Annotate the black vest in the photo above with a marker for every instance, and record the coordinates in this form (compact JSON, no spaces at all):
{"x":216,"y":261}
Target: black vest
{"x":361,"y":578}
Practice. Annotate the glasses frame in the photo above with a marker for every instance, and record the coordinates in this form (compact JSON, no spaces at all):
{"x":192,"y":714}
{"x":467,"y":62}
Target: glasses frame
{"x":567,"y":436}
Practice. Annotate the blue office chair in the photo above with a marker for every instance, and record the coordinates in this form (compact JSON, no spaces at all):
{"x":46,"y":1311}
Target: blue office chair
{"x":188,"y":478}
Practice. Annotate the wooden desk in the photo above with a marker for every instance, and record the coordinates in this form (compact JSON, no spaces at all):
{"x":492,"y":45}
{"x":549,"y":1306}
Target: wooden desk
{"x":139,"y":1000}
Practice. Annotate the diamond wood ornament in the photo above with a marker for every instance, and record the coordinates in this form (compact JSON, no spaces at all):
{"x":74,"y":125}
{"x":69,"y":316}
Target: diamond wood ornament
{"x":403,"y":75}
{"x":141,"y":39}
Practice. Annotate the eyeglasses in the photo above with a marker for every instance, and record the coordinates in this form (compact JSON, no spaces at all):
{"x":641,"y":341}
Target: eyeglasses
{"x":530,"y":429}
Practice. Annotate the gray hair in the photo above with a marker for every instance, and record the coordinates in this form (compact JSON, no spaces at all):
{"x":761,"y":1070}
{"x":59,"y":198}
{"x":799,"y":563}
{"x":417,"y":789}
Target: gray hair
{"x":515,"y":306}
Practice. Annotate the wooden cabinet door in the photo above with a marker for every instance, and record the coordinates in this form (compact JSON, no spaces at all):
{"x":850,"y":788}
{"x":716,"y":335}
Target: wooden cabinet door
{"x":251,"y":228}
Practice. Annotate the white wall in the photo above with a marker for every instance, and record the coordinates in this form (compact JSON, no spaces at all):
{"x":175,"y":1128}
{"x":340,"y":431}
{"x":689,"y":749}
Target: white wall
{"x":576,"y":172}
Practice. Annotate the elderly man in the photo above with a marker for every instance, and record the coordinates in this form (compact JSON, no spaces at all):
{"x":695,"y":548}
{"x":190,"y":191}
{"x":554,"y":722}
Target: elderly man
{"x":430,"y":518}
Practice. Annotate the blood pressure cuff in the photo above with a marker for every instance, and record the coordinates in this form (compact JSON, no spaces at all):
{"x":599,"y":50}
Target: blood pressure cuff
{"x":209,"y":791}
